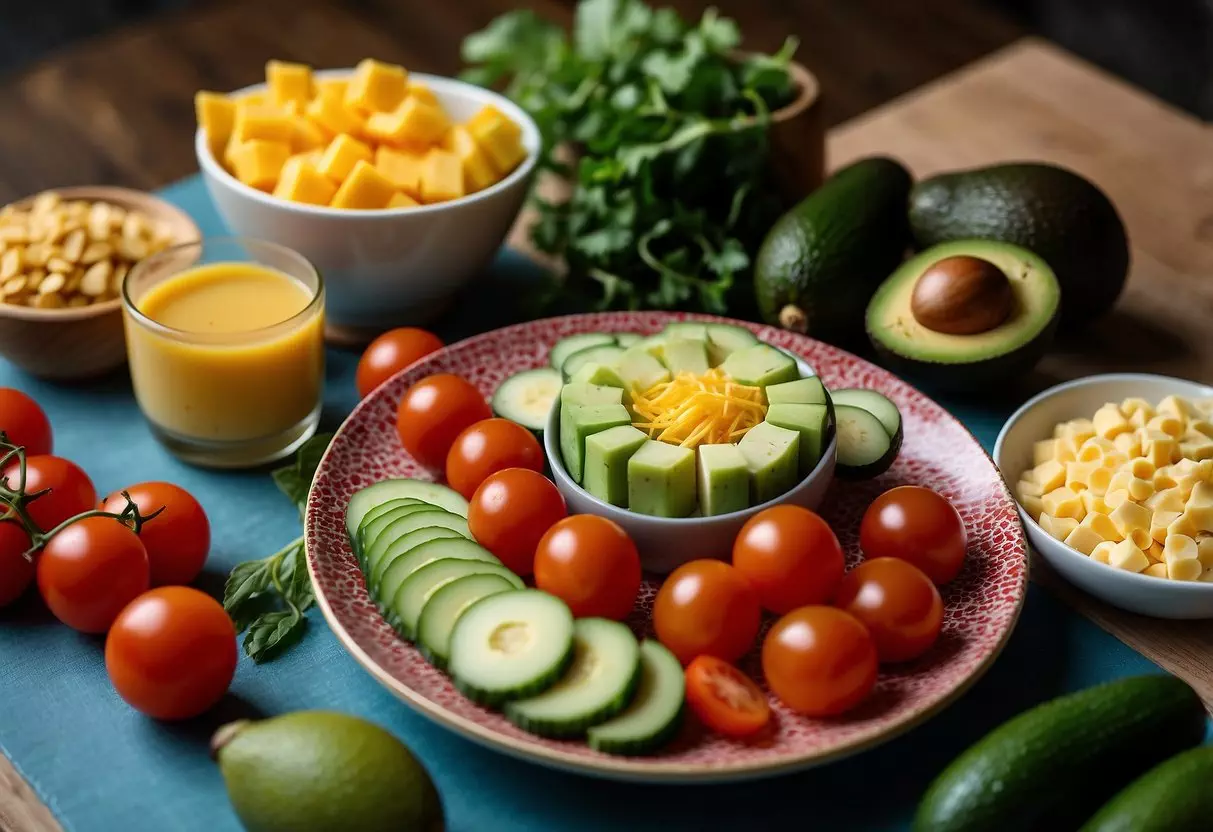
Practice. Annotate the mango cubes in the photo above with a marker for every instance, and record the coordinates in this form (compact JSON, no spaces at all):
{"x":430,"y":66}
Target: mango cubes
{"x":373,"y":140}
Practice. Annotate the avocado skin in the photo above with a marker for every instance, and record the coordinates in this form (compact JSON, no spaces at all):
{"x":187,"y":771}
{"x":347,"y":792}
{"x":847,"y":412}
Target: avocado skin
{"x":1052,"y":767}
{"x":1064,"y":218}
{"x":979,"y":376}
{"x":1172,"y":797}
{"x":828,"y":253}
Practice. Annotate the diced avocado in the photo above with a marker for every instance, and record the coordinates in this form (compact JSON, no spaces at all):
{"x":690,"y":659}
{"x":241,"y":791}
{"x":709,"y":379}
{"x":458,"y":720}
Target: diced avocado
{"x":760,"y":366}
{"x":577,"y":421}
{"x":640,"y":370}
{"x":652,"y":344}
{"x":810,"y":421}
{"x":686,"y":329}
{"x":590,"y":394}
{"x":726,"y":339}
{"x":600,"y":374}
{"x":801,"y":391}
{"x":724,"y":480}
{"x":606,"y":463}
{"x":661,"y":480}
{"x":683,"y":355}
{"x":772,"y":454}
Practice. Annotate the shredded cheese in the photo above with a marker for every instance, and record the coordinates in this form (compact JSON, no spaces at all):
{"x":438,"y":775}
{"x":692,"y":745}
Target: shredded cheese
{"x":692,"y":410}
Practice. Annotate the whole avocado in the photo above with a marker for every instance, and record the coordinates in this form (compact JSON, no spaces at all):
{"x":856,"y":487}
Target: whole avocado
{"x":823,"y":259}
{"x":1052,"y":211}
{"x":1172,"y":797}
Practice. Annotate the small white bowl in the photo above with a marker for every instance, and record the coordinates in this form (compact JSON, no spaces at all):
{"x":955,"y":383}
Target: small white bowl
{"x":390,"y":267}
{"x":665,"y":543}
{"x":1035,"y":420}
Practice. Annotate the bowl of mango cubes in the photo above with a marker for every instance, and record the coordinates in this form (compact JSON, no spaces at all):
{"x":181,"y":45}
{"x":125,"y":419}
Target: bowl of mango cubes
{"x":399,"y":187}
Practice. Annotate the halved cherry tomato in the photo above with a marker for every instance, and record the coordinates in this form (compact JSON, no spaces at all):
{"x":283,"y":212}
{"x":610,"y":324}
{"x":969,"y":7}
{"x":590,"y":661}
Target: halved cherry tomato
{"x":89,"y":571}
{"x":790,"y":556}
{"x":177,"y":539}
{"x":390,"y":353}
{"x":71,"y":491}
{"x":24,"y":422}
{"x":706,"y":607}
{"x":487,"y":447}
{"x":433,"y":412}
{"x":511,"y":511}
{"x":16,"y":573}
{"x":725,"y":699}
{"x":819,"y":661}
{"x":918,"y":525}
{"x":898,"y":604}
{"x":591,"y":564}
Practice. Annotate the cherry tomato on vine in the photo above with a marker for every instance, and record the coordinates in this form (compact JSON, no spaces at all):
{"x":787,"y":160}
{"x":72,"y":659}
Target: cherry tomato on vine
{"x":918,"y":525}
{"x":725,"y":699}
{"x":16,"y":573}
{"x":591,"y":564}
{"x":489,"y":446}
{"x":898,"y":604}
{"x":790,"y":556}
{"x":71,"y":491}
{"x":177,"y":539}
{"x":433,"y":412}
{"x":171,"y":652}
{"x":820,"y":661}
{"x":89,"y":571}
{"x":511,"y":511}
{"x":706,"y":607}
{"x":390,"y":353}
{"x":24,"y":422}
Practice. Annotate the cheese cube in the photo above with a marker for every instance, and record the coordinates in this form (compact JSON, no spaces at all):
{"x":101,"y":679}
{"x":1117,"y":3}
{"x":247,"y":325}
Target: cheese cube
{"x":500,"y":138}
{"x":308,"y":135}
{"x":1177,"y":406}
{"x":1196,"y":446}
{"x":1168,"y":424}
{"x":1156,"y":570}
{"x":1102,"y":552}
{"x":1201,"y":426}
{"x":1131,"y":519}
{"x":301,"y":182}
{"x":1042,"y":451}
{"x":332,"y":89}
{"x":1204,"y":550}
{"x":1158,"y":447}
{"x":1199,"y":507}
{"x":1140,"y":417}
{"x":1078,"y":473}
{"x":1103,"y":526}
{"x":261,"y":122}
{"x":421,"y":92}
{"x":1048,"y":475}
{"x":1140,"y":490}
{"x":331,"y":114}
{"x":365,"y":188}
{"x":1154,"y":553}
{"x":1114,"y":460}
{"x":414,"y":122}
{"x":1133,"y":405}
{"x":376,"y":87}
{"x":341,"y":155}
{"x":1066,"y":452}
{"x":442,"y":179}
{"x":288,"y":82}
{"x":1115,"y":499}
{"x":1207,"y":575}
{"x":1093,"y":503}
{"x":1094,"y":448}
{"x":1180,"y":546}
{"x":1128,"y":444}
{"x":1032,"y":505}
{"x":1083,"y":539}
{"x":478,"y":172}
{"x":402,"y":200}
{"x":1062,"y":502}
{"x":1182,"y":558}
{"x":1058,"y":527}
{"x":1099,"y":480}
{"x":402,"y":168}
{"x":1140,"y":467}
{"x":216,"y":116}
{"x":1028,"y":488}
{"x":1109,"y":422}
{"x":1120,"y":481}
{"x":1160,"y":523}
{"x":258,"y":163}
{"x":1183,"y":525}
{"x":1125,"y":555}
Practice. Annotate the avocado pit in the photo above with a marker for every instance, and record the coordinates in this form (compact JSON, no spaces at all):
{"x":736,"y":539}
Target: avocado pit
{"x":962,"y":295}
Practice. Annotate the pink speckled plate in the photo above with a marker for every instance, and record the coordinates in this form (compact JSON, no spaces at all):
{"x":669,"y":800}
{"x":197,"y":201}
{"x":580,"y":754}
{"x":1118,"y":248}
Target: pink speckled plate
{"x":982,"y":604}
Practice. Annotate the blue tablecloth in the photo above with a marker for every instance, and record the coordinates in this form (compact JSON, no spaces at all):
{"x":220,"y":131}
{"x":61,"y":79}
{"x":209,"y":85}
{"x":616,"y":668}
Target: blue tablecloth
{"x":101,"y":766}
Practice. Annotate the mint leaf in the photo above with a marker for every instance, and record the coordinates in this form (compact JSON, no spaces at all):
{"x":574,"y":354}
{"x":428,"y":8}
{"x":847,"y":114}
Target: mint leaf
{"x":295,"y":480}
{"x":272,"y":633}
{"x":246,"y":580}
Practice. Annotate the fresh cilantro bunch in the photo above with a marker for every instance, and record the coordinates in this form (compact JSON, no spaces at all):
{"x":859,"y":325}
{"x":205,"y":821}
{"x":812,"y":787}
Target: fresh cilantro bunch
{"x":667,"y":128}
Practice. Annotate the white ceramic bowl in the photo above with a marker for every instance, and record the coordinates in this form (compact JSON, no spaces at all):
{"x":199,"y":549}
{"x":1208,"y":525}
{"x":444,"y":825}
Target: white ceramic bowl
{"x":391,"y":267}
{"x":665,"y":543}
{"x":1013,"y":455}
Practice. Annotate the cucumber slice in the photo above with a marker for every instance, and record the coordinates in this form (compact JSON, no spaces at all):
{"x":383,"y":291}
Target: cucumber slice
{"x":377,"y":511}
{"x":598,"y":684}
{"x":628,"y":339}
{"x":686,"y":329}
{"x":654,"y":345}
{"x":370,"y":530}
{"x":410,"y":542}
{"x":601,"y":354}
{"x":865,"y":449}
{"x":526,"y":397}
{"x":394,"y":568}
{"x":726,"y":339}
{"x":411,"y":523}
{"x":654,"y":716}
{"x":411,"y":597}
{"x":565,"y":347}
{"x":368,"y":498}
{"x":446,"y":605}
{"x":875,"y":403}
{"x":511,"y":645}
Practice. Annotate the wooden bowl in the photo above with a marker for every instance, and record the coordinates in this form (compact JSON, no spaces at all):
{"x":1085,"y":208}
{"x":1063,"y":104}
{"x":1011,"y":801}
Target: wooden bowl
{"x":79,"y":343}
{"x":798,"y":138}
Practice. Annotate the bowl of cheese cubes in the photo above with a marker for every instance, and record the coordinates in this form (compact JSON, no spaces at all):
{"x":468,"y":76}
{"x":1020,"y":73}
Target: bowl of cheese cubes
{"x":398,"y":186}
{"x":1114,"y":479}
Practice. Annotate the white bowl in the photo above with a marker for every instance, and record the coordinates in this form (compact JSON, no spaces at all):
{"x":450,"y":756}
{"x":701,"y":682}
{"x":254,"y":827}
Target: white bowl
{"x":391,"y":267}
{"x":665,"y":543}
{"x":1035,"y":420}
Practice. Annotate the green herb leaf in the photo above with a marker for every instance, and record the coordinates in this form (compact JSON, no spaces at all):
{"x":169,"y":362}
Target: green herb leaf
{"x":245,"y":581}
{"x":295,"y":481}
{"x":272,"y":633}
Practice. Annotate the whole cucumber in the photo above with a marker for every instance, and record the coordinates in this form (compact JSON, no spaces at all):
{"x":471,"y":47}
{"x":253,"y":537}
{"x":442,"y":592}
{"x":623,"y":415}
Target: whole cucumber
{"x":1176,"y":796}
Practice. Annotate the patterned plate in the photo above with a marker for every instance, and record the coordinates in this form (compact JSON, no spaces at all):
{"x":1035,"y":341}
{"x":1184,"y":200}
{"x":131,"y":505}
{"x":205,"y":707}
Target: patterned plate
{"x":982,"y":604}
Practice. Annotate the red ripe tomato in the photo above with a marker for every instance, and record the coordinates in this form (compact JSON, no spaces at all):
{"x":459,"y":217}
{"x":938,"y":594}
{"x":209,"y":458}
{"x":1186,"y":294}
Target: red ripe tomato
{"x":171,"y":652}
{"x":511,"y":511}
{"x":725,"y":699}
{"x":24,"y":422}
{"x":918,"y":525}
{"x":706,"y":607}
{"x":898,"y":604}
{"x":390,"y":353}
{"x":71,"y":491}
{"x":790,"y":556}
{"x":177,"y":539}
{"x":16,"y":573}
{"x":820,"y":661}
{"x":487,"y":447}
{"x":591,"y":564}
{"x":89,"y":571}
{"x":433,"y":412}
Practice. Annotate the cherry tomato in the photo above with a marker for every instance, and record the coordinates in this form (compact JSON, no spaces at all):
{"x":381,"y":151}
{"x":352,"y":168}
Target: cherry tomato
{"x":511,"y":511}
{"x":725,"y":699}
{"x":790,"y":556}
{"x":71,"y":491}
{"x":898,"y":604}
{"x":16,"y":573}
{"x":171,"y":652}
{"x":706,"y":607}
{"x":433,"y":412}
{"x":390,"y":353}
{"x":177,"y":539}
{"x":918,"y":525}
{"x":591,"y":564}
{"x":89,"y":571}
{"x":820,"y":661}
{"x":25,"y":422}
{"x":487,"y":447}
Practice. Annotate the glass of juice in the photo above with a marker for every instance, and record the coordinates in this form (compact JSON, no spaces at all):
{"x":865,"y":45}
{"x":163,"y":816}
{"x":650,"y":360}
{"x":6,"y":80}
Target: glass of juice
{"x":225,"y":339}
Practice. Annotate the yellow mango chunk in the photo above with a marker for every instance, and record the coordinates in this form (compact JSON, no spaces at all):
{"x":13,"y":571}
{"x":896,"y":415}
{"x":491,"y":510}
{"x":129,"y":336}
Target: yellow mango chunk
{"x":402,"y":167}
{"x":500,"y":138}
{"x":288,"y":82}
{"x":402,"y":200}
{"x":261,"y":122}
{"x":1103,"y":526}
{"x":308,"y":135}
{"x":254,"y":98}
{"x":1125,"y":555}
{"x":303,"y":183}
{"x":478,"y":171}
{"x":1058,"y":527}
{"x":331,"y":114}
{"x":258,"y":163}
{"x":217,"y":117}
{"x":1156,"y":570}
{"x":376,"y":87}
{"x":414,"y":122}
{"x":341,"y":155}
{"x":418,"y":90}
{"x":332,"y":89}
{"x":1083,"y":539}
{"x":365,"y":188}
{"x":441,"y":177}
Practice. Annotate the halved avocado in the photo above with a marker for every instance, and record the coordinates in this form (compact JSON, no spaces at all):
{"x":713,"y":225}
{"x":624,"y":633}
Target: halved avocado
{"x":966,"y":313}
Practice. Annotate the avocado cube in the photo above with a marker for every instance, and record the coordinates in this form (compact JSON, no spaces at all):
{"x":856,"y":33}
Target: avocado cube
{"x":760,"y":366}
{"x":603,"y":375}
{"x":590,"y":394}
{"x":640,"y":370}
{"x":802,"y":391}
{"x":688,"y":330}
{"x":772,"y":454}
{"x":724,"y":480}
{"x":661,"y":480}
{"x":606,"y":463}
{"x":810,"y":421}
{"x":682,"y":355}
{"x":577,"y":421}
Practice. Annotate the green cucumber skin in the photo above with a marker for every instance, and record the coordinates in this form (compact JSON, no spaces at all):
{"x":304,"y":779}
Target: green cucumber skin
{"x":1053,"y":766}
{"x":1176,"y":796}
{"x":497,"y":698}
{"x":569,"y":729}
{"x":640,"y":747}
